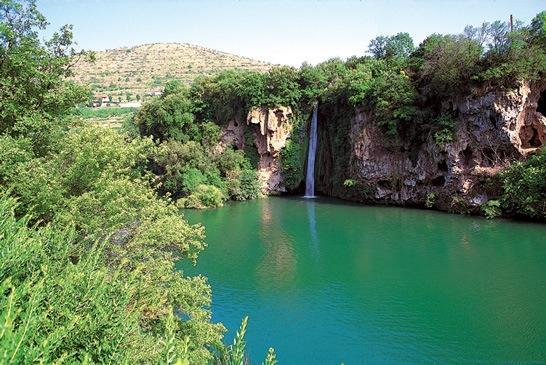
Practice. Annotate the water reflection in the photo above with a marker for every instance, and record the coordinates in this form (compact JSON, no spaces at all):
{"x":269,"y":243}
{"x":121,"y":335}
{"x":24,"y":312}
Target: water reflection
{"x":265,"y":214}
{"x":312,"y":219}
{"x":278,"y":265}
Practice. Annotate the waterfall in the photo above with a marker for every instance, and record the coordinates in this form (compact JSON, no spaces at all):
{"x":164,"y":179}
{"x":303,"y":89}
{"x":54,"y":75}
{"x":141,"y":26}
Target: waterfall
{"x":310,"y":176}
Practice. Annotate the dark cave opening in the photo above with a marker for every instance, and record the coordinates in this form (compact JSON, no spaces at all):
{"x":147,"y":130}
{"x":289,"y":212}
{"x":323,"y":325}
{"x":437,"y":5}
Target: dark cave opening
{"x":442,"y":166}
{"x":439,"y":181}
{"x":489,"y":156}
{"x":467,"y":156}
{"x":535,"y":139}
{"x":493,"y":121}
{"x":541,"y":107}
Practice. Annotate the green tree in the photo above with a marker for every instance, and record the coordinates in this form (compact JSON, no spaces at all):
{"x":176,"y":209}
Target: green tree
{"x":399,"y":45}
{"x":34,"y":93}
{"x":446,"y":64}
{"x":377,"y":46}
{"x":281,"y":87}
{"x":538,"y":28}
{"x":168,"y":117}
{"x":174,"y":87}
{"x":312,"y":82}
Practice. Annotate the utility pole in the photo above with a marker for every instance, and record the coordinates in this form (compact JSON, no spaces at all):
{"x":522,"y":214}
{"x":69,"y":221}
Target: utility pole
{"x":511,"y":23}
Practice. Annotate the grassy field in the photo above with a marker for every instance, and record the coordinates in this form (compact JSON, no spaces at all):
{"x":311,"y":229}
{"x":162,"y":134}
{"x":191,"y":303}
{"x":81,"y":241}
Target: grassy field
{"x":112,"y":117}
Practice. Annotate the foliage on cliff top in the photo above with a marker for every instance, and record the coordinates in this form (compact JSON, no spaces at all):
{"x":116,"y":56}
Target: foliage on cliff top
{"x":401,"y":84}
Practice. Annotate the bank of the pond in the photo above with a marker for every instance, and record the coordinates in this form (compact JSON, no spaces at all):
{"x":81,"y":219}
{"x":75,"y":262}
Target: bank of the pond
{"x":326,"y":282}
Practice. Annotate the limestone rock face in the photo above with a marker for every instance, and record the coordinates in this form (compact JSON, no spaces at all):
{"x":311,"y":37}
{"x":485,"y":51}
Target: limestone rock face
{"x":270,"y":129}
{"x":493,"y":129}
{"x":275,"y":128}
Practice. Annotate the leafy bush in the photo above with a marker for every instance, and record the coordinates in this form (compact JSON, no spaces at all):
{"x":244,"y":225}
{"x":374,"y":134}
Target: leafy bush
{"x":349,"y":183}
{"x":312,"y":83}
{"x":393,"y":98}
{"x":168,"y":118}
{"x":45,"y":183}
{"x":293,"y":162}
{"x":45,"y":311}
{"x":281,"y":87}
{"x":399,"y":45}
{"x":430,"y":200}
{"x":524,"y":187}
{"x":385,"y":88}
{"x":513,"y":55}
{"x":235,"y":354}
{"x":183,"y":167}
{"x":447,"y":63}
{"x":191,"y":178}
{"x":13,"y":151}
{"x":250,"y":187}
{"x":358,"y":191}
{"x":225,"y":96}
{"x":203,"y":196}
{"x":134,"y":268}
{"x":444,"y":127}
{"x":243,"y":184}
{"x":492,"y":209}
{"x":459,"y":205}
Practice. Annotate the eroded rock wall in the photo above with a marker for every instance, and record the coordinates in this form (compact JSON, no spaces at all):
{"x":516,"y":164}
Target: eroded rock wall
{"x":492,"y":130}
{"x":269,"y":129}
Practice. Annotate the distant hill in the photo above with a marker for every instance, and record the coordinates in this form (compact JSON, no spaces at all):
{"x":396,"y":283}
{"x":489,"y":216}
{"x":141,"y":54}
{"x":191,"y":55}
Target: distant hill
{"x":145,"y":69}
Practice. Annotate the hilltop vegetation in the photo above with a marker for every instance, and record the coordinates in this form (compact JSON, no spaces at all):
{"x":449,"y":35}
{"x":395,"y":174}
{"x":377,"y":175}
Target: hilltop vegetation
{"x":127,"y":72}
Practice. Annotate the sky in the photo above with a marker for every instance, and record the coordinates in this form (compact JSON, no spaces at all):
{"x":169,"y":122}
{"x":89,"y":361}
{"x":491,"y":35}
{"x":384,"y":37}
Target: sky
{"x":280,"y":32}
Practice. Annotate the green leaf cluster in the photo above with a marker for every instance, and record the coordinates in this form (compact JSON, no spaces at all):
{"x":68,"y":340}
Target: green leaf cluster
{"x":235,"y":354}
{"x":524,"y":187}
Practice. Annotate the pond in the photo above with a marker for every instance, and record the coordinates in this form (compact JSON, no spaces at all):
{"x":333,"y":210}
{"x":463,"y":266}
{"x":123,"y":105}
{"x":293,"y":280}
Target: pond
{"x":326,"y":282}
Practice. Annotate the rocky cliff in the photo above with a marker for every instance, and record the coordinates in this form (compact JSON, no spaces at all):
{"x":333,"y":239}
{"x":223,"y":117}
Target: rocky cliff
{"x":357,"y":161}
{"x":493,"y":128}
{"x":265,"y":131}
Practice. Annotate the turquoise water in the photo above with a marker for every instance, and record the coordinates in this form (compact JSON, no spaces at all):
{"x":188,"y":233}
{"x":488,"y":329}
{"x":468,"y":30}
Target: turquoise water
{"x":326,"y":282}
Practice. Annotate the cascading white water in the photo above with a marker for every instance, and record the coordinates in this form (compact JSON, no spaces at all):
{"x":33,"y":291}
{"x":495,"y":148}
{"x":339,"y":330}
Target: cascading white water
{"x":310,"y":176}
